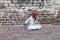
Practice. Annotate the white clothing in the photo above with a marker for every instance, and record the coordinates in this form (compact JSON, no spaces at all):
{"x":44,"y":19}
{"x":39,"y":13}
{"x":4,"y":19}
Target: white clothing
{"x":32,"y":24}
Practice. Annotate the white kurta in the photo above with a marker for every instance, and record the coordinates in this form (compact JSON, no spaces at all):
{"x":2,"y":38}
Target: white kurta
{"x":32,"y":24}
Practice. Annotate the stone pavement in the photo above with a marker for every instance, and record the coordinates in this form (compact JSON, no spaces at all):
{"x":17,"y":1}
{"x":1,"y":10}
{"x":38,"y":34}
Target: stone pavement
{"x":47,"y":32}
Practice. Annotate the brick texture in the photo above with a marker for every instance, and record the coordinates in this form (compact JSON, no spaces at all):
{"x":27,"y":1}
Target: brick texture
{"x":19,"y":19}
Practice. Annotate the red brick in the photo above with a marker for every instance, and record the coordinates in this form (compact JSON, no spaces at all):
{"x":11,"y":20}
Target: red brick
{"x":4,"y":16}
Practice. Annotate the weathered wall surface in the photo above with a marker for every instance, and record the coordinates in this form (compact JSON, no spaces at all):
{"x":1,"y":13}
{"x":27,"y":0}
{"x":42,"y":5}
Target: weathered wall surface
{"x":17,"y":18}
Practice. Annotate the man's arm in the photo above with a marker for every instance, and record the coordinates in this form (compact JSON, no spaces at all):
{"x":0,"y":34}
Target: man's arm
{"x":26,"y":21}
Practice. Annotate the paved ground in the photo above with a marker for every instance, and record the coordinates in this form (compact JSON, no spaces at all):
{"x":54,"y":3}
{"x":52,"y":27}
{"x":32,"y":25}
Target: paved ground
{"x":48,"y":32}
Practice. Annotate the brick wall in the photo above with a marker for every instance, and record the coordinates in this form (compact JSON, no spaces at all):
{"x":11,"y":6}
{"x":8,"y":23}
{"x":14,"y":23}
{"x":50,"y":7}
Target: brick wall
{"x":12,"y":19}
{"x":19,"y":19}
{"x":16,"y":18}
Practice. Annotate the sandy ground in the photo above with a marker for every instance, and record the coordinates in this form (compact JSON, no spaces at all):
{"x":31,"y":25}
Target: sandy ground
{"x":47,"y":32}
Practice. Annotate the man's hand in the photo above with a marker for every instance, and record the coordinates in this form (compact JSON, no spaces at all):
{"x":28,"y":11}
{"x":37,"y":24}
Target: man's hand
{"x":24,"y":24}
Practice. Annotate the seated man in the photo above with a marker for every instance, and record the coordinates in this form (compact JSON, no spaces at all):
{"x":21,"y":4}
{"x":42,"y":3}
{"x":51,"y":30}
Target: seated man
{"x":31,"y":20}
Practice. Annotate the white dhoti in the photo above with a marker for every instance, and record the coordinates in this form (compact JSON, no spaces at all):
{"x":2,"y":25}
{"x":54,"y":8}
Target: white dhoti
{"x":34,"y":26}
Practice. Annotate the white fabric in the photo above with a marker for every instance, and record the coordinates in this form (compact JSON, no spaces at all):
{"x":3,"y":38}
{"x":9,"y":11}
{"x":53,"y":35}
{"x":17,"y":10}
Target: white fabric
{"x":32,"y":24}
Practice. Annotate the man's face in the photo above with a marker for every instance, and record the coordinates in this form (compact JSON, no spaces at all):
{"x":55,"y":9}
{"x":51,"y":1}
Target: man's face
{"x":34,"y":17}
